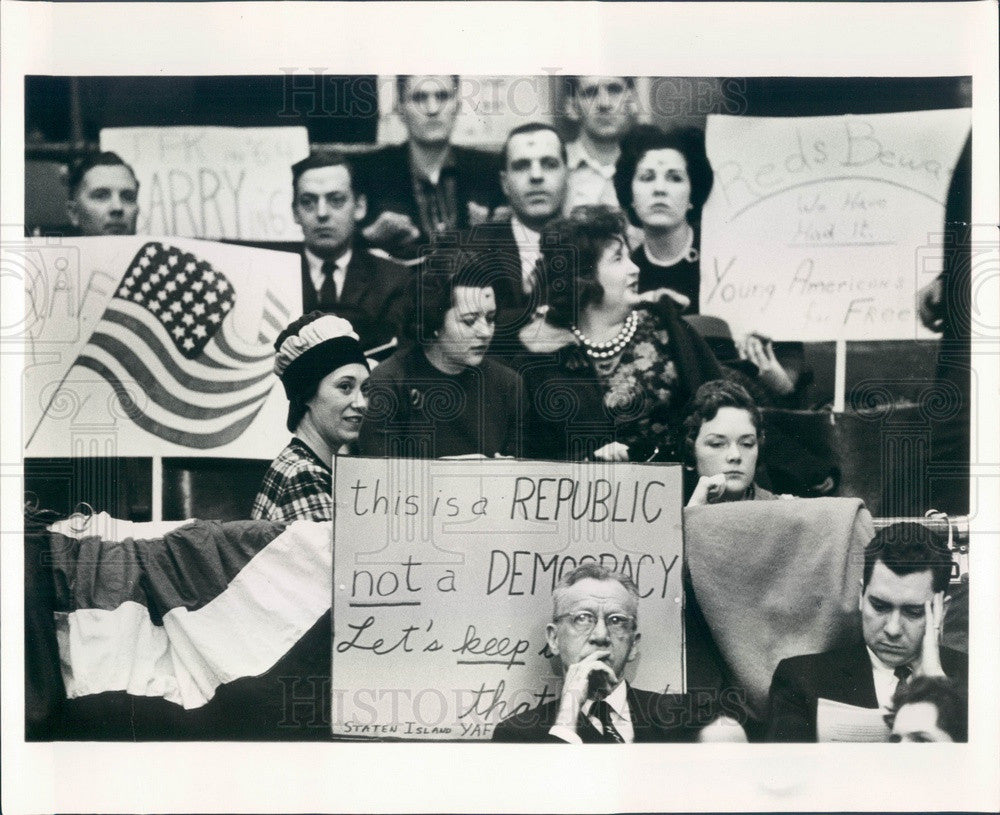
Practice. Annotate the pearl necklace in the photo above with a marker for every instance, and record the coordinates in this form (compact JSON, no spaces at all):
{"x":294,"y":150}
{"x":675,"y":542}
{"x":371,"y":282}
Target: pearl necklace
{"x":611,"y":348}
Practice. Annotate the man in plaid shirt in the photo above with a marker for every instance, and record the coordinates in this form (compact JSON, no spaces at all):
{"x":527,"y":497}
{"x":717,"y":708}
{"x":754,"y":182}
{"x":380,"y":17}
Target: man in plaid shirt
{"x":324,"y":372}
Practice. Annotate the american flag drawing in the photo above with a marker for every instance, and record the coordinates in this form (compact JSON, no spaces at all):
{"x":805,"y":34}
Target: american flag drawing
{"x":166,"y":330}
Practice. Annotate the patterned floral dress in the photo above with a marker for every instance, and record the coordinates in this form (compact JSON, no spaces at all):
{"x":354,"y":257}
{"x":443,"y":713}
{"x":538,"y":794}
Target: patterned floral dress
{"x":578,"y":404}
{"x":639,"y":385}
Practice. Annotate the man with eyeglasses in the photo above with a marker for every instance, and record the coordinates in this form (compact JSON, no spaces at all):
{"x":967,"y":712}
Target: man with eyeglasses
{"x":594,"y":634}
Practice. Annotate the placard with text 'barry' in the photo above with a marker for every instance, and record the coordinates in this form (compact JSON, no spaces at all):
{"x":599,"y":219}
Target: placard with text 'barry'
{"x":443,"y":581}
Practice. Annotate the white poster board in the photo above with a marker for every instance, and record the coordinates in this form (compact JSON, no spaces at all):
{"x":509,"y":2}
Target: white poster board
{"x":821,"y":228}
{"x":154,"y":347}
{"x":213,"y":182}
{"x":443,"y":578}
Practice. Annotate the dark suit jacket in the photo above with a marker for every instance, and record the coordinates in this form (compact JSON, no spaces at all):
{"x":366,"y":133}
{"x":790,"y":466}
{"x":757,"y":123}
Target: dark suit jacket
{"x":385,"y":178}
{"x":841,"y":675}
{"x":655,"y":717}
{"x":377,"y":297}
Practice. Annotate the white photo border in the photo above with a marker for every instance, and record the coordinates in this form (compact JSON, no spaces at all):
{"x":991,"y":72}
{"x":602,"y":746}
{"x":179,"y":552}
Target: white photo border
{"x":708,"y":39}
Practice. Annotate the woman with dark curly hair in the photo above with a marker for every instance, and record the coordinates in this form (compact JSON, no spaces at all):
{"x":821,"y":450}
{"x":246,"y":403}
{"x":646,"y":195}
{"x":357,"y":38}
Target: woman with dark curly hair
{"x":443,"y":396}
{"x":723,"y":434}
{"x":662,"y":181}
{"x":608,"y":373}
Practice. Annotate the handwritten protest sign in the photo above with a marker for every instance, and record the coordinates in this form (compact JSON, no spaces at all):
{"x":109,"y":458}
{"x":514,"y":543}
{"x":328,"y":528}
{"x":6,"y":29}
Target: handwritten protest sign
{"x":213,"y":182}
{"x":154,"y":346}
{"x":443,"y":578}
{"x":818,"y":228}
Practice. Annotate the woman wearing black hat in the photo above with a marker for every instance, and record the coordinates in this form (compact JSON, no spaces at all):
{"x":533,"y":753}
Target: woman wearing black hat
{"x":324,"y":372}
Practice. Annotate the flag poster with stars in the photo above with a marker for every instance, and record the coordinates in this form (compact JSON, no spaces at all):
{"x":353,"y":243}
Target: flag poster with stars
{"x":155,"y":346}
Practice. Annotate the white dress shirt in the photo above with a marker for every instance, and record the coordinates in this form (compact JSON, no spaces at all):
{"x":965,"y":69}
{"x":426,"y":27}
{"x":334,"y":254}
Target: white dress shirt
{"x":621,"y":718}
{"x":316,"y":270}
{"x":885,"y":680}
{"x":528,"y":242}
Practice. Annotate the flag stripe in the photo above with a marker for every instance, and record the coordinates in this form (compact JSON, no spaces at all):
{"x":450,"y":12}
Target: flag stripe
{"x":151,"y":332}
{"x":113,"y":373}
{"x":115,"y":650}
{"x":102,"y":525}
{"x":217,"y":366}
{"x":125,"y":377}
{"x":182,"y":563}
{"x":185,"y":438}
{"x":284,"y":312}
{"x":270,"y":603}
{"x":272,"y":321}
{"x":112,"y":338}
{"x":225,"y":340}
{"x":154,"y":388}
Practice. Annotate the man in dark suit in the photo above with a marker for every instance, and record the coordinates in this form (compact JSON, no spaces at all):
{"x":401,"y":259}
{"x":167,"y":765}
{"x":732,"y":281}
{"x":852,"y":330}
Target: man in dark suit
{"x":906,"y":573}
{"x":338,"y":275}
{"x":593,"y":632}
{"x":103,"y":196}
{"x":426,"y":186}
{"x":533,"y":179}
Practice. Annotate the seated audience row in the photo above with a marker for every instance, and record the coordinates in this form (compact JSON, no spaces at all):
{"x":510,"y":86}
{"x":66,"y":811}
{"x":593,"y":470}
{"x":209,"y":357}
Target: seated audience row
{"x":894,"y":665}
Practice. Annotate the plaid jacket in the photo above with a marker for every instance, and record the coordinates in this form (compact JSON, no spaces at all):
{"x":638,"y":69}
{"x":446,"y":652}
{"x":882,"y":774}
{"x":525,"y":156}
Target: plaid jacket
{"x":297,"y":487}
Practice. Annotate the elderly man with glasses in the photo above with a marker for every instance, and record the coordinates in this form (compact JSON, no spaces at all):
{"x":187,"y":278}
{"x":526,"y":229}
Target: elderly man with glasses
{"x":594,"y":632}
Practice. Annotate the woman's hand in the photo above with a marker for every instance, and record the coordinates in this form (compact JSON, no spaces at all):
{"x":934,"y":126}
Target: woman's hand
{"x":615,"y":451}
{"x":760,"y":351}
{"x":710,"y":489}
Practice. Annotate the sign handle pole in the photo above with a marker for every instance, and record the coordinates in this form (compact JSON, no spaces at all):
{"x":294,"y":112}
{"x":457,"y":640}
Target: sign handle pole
{"x":157,"y":488}
{"x":839,"y":376}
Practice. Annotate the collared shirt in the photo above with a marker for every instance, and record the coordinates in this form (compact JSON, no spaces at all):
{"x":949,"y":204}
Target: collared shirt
{"x":589,"y":182}
{"x":437,"y":200}
{"x":339,"y":274}
{"x":621,"y":718}
{"x":528,"y":242}
{"x":885,"y":680}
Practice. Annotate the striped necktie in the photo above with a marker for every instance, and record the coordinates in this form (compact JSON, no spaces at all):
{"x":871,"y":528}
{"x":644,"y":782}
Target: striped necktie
{"x":602,"y":710}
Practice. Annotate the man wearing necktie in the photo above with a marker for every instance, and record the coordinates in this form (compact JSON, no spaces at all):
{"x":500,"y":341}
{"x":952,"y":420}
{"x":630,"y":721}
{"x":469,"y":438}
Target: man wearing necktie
{"x":594,"y":633}
{"x":533,"y":180}
{"x":339,"y":276}
{"x":905,"y":577}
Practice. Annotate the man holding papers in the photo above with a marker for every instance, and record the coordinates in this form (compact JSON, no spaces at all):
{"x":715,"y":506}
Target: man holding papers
{"x":905,"y":576}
